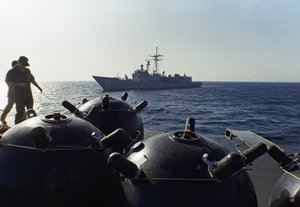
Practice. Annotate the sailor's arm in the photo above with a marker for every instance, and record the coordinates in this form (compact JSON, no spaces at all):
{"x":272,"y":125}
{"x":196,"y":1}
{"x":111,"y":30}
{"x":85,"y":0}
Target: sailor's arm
{"x":32,"y":80}
{"x":10,"y":80}
{"x":36,"y":85}
{"x":12,"y":84}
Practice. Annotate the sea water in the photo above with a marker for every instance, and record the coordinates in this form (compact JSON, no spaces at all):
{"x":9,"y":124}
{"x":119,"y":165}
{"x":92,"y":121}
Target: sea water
{"x":270,"y":109}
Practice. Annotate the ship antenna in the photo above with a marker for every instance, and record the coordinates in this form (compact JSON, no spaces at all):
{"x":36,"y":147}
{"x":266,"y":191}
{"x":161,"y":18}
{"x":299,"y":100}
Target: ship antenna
{"x":147,"y":65}
{"x":156,"y":59}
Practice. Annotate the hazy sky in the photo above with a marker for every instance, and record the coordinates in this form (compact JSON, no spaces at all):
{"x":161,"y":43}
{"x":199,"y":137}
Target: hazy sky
{"x":211,"y":40}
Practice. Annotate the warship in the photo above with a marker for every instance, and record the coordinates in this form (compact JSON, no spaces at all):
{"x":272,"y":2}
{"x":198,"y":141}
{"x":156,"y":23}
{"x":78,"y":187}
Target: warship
{"x":143,"y":79}
{"x":99,"y":154}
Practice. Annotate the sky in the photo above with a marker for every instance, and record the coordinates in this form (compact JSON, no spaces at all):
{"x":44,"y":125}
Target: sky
{"x":210,"y":40}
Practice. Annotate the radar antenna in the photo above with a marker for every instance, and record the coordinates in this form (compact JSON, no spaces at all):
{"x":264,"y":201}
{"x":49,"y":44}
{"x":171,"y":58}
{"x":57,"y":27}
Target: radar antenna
{"x":148,"y":64}
{"x":156,"y":59}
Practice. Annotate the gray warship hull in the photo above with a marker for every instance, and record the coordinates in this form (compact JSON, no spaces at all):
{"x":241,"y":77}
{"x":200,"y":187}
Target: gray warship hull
{"x":115,"y":84}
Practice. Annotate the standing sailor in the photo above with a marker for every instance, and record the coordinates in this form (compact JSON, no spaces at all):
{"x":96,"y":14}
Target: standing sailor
{"x":10,"y":98}
{"x":20,"y":78}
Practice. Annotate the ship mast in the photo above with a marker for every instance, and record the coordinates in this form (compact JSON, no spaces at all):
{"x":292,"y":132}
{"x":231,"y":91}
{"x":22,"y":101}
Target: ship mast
{"x":156,"y":59}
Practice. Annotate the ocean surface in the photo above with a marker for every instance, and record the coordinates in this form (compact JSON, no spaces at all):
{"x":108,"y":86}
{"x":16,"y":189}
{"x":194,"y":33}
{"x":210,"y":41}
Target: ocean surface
{"x":270,"y":109}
